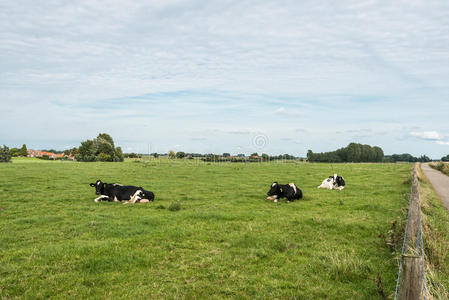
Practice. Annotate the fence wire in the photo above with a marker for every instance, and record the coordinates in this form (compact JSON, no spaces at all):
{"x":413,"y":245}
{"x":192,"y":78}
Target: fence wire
{"x":419,"y":244}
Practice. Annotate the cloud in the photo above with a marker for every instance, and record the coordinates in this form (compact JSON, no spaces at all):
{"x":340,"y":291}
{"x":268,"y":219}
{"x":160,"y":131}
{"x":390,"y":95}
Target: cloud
{"x":443,"y":143}
{"x":427,"y":135}
{"x":286,"y":112}
{"x":162,"y":71}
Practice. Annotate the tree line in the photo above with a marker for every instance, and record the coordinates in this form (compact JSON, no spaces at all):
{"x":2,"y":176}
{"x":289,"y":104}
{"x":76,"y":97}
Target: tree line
{"x":102,"y":148}
{"x":354,"y":152}
{"x":406,"y":157}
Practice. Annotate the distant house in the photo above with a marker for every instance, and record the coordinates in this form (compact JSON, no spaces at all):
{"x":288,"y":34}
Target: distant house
{"x":34,"y":153}
{"x":51,"y":155}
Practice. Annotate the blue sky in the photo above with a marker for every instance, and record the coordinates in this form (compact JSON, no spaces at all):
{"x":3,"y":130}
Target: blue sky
{"x":226,"y":76}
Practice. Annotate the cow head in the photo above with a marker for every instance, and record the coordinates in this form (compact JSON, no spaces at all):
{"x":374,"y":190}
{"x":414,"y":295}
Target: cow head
{"x":99,"y":186}
{"x":147,"y":195}
{"x":340,"y":181}
{"x":275,"y":189}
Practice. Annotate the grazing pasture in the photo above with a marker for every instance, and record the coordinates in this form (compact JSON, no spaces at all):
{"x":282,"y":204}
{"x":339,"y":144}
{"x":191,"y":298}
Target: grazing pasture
{"x":225,"y":241}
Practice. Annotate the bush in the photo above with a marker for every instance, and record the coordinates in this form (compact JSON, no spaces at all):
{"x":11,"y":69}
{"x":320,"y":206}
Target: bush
{"x":440,"y":166}
{"x":5,"y":155}
{"x":132,"y":155}
{"x":14,"y":152}
{"x":175,"y":206}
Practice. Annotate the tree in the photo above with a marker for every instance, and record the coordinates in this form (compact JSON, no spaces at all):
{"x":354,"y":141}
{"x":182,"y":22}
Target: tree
{"x":171,"y":154}
{"x":23,"y":151}
{"x":226,"y":154}
{"x":5,"y":155}
{"x":424,"y":158}
{"x":87,"y":151}
{"x":445,"y":158}
{"x":155,"y":155}
{"x":104,"y":137}
{"x":265,"y":157}
{"x":310,"y":155}
{"x":118,"y":154}
{"x":105,"y":145}
{"x":404,"y":157}
{"x":254,"y":154}
{"x":352,"y":153}
{"x":104,"y":157}
{"x":101,"y":148}
{"x":379,"y":154}
{"x":14,"y":152}
{"x":180,"y":155}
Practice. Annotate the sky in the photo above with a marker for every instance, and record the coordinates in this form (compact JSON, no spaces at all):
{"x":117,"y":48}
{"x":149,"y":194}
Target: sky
{"x":226,"y":76}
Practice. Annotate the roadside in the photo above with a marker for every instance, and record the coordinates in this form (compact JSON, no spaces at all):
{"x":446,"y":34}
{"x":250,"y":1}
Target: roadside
{"x":440,"y":183}
{"x":435,"y":220}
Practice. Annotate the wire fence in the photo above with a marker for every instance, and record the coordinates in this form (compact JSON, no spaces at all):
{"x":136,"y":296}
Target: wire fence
{"x":413,"y":243}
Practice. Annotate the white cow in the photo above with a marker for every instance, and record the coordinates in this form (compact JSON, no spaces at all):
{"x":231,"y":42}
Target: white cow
{"x":333,"y":182}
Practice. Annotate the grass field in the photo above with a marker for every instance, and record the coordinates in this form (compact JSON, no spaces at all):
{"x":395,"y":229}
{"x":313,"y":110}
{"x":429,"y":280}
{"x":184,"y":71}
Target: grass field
{"x":227,"y":241}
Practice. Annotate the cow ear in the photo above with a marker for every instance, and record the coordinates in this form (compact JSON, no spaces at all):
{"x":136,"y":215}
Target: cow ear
{"x":92,"y":184}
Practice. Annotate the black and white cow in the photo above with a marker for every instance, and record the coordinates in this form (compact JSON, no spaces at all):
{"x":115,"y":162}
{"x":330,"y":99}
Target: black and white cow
{"x":117,"y":192}
{"x":289,"y":191}
{"x":336,"y":182}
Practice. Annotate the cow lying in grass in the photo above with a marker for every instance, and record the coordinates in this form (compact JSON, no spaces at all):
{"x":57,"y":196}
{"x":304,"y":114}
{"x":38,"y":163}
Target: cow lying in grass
{"x":333,"y":182}
{"x":117,"y":192}
{"x":289,"y":191}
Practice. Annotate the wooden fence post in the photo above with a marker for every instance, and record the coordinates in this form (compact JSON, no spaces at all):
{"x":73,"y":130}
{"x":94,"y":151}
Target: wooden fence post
{"x":413,"y":222}
{"x":411,"y":286}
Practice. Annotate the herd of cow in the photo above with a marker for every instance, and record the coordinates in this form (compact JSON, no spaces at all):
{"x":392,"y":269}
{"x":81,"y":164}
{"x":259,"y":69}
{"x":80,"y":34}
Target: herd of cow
{"x":133,"y":194}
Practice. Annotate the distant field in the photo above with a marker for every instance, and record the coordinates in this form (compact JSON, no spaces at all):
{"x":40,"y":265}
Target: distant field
{"x":227,"y":241}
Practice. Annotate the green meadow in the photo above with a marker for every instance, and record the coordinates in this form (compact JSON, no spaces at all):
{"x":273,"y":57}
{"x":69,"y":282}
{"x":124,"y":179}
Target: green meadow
{"x":226,"y":241}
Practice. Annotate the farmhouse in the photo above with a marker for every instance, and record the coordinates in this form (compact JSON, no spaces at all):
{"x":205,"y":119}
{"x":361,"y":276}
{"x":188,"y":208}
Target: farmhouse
{"x":51,"y":155}
{"x":34,"y":153}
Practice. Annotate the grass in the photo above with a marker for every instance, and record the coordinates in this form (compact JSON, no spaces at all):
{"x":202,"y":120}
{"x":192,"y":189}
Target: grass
{"x":225,"y":241}
{"x":436,"y":239}
{"x":441,"y":166}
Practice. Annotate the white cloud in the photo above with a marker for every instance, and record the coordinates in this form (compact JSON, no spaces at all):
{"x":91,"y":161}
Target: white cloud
{"x":324,"y":61}
{"x":427,"y":135}
{"x":442,"y":143}
{"x":286,"y":112}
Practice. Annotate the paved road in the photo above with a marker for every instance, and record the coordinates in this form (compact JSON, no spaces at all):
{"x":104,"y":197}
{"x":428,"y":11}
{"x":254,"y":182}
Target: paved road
{"x":440,"y":183}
